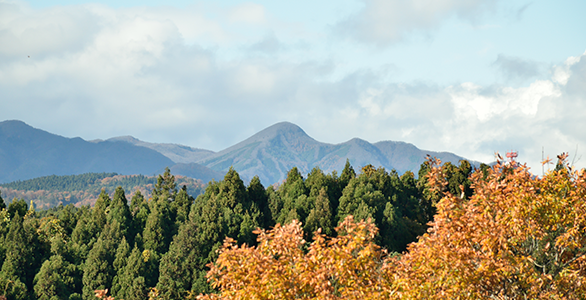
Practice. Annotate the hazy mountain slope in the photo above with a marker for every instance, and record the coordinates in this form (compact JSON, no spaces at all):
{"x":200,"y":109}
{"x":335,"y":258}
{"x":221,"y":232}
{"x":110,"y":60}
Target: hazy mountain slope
{"x":198,"y":171}
{"x":406,"y":157}
{"x":271,"y":153}
{"x":27,"y":152}
{"x":175,"y":152}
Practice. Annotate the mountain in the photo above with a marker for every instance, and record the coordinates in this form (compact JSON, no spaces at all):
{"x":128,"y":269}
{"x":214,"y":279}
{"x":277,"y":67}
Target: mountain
{"x":175,"y":152}
{"x":272,"y":152}
{"x":27,"y":152}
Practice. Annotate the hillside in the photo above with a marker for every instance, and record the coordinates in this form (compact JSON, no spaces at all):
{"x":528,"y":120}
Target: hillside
{"x":27,"y":152}
{"x":84,"y":189}
{"x":175,"y":152}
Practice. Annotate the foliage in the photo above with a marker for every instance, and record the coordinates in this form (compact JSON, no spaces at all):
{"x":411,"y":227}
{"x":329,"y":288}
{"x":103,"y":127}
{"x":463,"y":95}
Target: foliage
{"x":350,"y":266}
{"x":517,"y":237}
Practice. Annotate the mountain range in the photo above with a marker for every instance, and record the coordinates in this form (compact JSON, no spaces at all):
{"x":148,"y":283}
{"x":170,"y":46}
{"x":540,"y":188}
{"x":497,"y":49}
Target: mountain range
{"x":27,"y":152}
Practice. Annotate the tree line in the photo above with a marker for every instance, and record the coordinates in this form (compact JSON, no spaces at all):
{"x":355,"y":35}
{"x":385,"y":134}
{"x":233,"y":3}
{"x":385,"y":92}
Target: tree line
{"x":166,"y":243}
{"x":84,"y":189}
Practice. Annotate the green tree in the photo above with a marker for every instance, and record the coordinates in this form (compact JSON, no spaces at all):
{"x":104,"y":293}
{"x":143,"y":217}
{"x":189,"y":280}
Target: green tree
{"x":140,"y":211}
{"x":348,"y":174}
{"x":57,"y":278}
{"x":17,"y":265}
{"x":120,"y":212}
{"x":292,"y":199}
{"x":258,"y":196}
{"x":98,"y":270}
{"x":182,"y":265}
{"x":224,"y":210}
{"x":320,"y":216}
{"x":17,"y":206}
{"x":165,"y":186}
{"x":2,"y":203}
{"x":131,"y":280}
{"x":158,"y":230}
{"x":181,"y":206}
{"x":120,"y":261}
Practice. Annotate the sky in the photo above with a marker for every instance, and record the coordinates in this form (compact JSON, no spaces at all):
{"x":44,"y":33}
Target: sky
{"x":472,"y":77}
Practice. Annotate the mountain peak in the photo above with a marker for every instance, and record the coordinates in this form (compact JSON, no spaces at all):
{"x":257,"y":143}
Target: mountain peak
{"x":281,"y":128}
{"x":286,"y":130}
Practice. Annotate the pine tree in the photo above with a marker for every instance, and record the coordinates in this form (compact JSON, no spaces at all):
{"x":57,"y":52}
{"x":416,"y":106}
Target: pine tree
{"x":120,"y":261}
{"x":120,"y":212}
{"x":181,"y":206}
{"x":57,"y":279}
{"x":258,"y":196}
{"x":320,"y":216}
{"x":140,"y":211}
{"x":98,"y":270}
{"x":165,"y":184}
{"x":348,"y":174}
{"x":131,"y":280}
{"x":2,"y":203}
{"x":180,"y":265}
{"x":13,"y":275}
{"x":158,"y":230}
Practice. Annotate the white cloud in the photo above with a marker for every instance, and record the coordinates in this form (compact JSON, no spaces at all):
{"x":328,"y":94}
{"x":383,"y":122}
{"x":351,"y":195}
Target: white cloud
{"x":250,"y":13}
{"x":383,"y":22}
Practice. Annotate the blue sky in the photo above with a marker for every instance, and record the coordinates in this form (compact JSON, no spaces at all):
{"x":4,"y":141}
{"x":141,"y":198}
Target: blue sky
{"x":470,"y":77}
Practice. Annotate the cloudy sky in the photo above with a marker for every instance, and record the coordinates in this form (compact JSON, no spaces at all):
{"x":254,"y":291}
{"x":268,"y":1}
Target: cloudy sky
{"x":473,"y":77}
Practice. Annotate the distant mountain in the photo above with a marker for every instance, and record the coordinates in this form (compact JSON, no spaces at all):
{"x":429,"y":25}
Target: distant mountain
{"x":27,"y":152}
{"x":175,"y":152}
{"x":271,"y":153}
{"x":198,"y":171}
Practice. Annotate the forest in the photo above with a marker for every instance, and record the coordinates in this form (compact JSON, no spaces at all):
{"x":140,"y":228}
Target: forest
{"x":84,"y":189}
{"x":451,"y":232}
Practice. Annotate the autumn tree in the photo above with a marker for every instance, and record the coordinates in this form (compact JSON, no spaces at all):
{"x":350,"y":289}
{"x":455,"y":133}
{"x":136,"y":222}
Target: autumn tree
{"x":517,"y":237}
{"x":350,"y":266}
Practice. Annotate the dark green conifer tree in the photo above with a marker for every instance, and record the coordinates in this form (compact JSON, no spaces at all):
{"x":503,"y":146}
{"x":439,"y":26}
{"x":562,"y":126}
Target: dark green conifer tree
{"x":140,"y":211}
{"x":258,"y":197}
{"x":17,"y":264}
{"x":320,"y":216}
{"x":17,"y":206}
{"x":293,"y":196}
{"x":181,"y":206}
{"x":182,"y":265}
{"x":348,"y":174}
{"x":158,"y":230}
{"x":98,"y":270}
{"x":224,"y":210}
{"x":58,"y":278}
{"x":120,"y":212}
{"x":131,"y":281}
{"x":2,"y":203}
{"x":165,"y":183}
{"x":120,"y":261}
{"x":100,"y":209}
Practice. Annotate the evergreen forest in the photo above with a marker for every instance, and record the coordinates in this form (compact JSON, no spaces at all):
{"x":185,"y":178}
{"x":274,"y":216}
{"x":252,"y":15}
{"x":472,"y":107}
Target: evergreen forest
{"x":84,"y":189}
{"x":165,"y":243}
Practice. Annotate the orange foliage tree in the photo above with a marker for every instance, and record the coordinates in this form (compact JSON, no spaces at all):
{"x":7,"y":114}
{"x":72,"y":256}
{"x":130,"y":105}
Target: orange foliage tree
{"x":517,"y":237}
{"x":349,"y":266}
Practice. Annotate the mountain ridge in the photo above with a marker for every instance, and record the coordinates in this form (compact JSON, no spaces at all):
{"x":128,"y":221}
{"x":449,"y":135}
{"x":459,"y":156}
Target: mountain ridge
{"x":27,"y":152}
